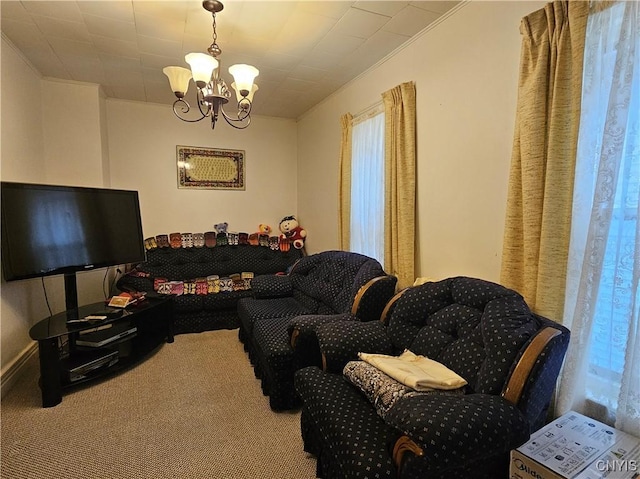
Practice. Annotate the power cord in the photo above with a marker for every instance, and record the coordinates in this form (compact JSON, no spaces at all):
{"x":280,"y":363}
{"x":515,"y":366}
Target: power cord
{"x":104,"y":280}
{"x":63,"y":342}
{"x":112,"y":287}
{"x":46,"y":298}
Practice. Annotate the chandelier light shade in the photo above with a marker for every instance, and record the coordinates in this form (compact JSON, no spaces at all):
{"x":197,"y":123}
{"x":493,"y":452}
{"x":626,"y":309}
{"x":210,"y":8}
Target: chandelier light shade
{"x":178,"y":79}
{"x":239,"y":96}
{"x":202,"y":66}
{"x":243,"y":76}
{"x":212,"y":92}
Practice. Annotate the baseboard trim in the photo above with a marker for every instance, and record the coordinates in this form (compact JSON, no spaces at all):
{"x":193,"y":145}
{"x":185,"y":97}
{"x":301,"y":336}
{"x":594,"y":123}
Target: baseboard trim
{"x":16,"y":368}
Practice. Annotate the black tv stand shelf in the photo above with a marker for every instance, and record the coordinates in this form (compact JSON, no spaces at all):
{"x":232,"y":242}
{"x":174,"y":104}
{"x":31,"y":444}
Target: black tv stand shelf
{"x":65,"y":365}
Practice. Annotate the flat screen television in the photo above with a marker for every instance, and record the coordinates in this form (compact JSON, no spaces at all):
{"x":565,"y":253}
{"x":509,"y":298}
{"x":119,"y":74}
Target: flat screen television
{"x":50,"y":230}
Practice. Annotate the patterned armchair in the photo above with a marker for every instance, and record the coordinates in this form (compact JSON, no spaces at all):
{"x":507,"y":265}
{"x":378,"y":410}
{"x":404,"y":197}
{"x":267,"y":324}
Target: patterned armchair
{"x":277,"y":324}
{"x":509,"y":357}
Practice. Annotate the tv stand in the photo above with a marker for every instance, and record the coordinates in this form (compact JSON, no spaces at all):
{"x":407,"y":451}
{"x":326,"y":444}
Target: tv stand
{"x":71,"y":296}
{"x":60,"y":356}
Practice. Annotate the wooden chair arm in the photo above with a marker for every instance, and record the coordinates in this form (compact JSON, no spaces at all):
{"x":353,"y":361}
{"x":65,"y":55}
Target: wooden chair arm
{"x":294,"y":337}
{"x":403,"y":445}
{"x":362,"y":291}
{"x":387,"y":308}
{"x":513,"y":391}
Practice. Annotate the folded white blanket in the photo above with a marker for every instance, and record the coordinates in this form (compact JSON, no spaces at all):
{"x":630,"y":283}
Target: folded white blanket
{"x":417,"y":372}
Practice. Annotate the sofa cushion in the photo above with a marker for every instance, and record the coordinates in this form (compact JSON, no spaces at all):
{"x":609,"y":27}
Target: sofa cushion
{"x":456,"y":430}
{"x":256,"y":310}
{"x":271,"y":286}
{"x":332,"y":278}
{"x":210,"y":302}
{"x":227,"y":300}
{"x":473,"y":327}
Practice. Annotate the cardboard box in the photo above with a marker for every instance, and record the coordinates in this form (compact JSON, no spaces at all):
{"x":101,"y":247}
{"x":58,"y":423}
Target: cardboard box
{"x":577,"y":447}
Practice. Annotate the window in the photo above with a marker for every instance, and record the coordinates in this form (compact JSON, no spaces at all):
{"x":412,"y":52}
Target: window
{"x":604,"y":256}
{"x":367,"y":185}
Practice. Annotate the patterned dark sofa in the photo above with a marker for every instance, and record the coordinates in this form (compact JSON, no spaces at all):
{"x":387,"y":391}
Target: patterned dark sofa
{"x":320,"y":288}
{"x":484,"y":332}
{"x":199,"y":309}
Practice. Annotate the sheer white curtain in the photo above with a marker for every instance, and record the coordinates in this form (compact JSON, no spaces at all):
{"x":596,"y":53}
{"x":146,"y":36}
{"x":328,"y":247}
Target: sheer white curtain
{"x":601,"y":377}
{"x":367,"y":185}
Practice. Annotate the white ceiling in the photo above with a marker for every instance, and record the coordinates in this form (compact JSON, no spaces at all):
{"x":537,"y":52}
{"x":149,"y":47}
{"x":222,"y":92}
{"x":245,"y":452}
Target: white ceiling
{"x":305,"y":50}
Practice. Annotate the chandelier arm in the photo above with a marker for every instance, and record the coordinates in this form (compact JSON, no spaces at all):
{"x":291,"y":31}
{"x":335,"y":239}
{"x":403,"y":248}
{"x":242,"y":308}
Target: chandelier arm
{"x":233,"y":122}
{"x":181,"y":107}
{"x":245,"y":105}
{"x":202,"y":103}
{"x":243,"y":115}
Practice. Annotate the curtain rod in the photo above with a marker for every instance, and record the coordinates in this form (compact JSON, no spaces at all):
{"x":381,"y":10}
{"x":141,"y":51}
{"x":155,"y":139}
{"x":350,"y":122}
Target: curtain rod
{"x":368,"y":112}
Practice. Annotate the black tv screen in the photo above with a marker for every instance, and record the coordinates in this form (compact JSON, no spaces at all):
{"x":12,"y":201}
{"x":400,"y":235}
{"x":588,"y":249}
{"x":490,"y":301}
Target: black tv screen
{"x":48,"y":230}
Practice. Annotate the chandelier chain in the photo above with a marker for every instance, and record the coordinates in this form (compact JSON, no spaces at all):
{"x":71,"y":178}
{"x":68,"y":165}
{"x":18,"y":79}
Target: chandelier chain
{"x":215,"y":34}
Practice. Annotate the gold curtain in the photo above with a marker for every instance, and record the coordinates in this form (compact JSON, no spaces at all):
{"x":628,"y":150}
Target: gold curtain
{"x":344,"y":187}
{"x":538,"y":219}
{"x":400,"y":183}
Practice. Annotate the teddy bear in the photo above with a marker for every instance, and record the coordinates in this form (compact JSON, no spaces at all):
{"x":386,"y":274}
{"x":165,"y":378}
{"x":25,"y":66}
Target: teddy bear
{"x":264,"y":229}
{"x":263,"y":234}
{"x":221,"y":233}
{"x":292,"y":231}
{"x":260,"y":237}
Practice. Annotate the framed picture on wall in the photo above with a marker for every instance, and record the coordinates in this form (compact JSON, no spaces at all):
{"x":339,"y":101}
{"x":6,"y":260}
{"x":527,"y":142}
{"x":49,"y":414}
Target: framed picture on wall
{"x":210,"y":168}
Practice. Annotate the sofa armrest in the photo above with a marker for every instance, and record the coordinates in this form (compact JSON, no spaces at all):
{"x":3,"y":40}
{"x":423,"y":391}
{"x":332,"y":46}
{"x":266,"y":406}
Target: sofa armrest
{"x":134,"y":282}
{"x":304,"y":341}
{"x":468,"y":427}
{"x":372,"y":298}
{"x":271,"y":286}
{"x":305,"y":325}
{"x":340,"y":342}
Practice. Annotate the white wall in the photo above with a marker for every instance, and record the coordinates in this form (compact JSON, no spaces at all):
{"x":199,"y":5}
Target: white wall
{"x":142,"y":147}
{"x":22,"y":144}
{"x":51,"y":133}
{"x":73,"y":134}
{"x":22,"y":159}
{"x":466,"y":73}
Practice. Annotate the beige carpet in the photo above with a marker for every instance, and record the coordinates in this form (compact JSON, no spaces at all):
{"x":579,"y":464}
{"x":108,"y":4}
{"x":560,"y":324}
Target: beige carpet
{"x":192,"y":410}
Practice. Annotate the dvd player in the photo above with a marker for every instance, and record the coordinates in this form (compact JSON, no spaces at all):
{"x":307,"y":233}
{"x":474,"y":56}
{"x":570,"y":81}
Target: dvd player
{"x":83,"y":363}
{"x":106,"y":336}
{"x":108,"y":313}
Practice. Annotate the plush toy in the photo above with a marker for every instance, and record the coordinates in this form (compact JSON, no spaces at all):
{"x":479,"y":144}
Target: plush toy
{"x":221,"y":234}
{"x":264,"y":229}
{"x":292,"y":231}
{"x":221,"y":227}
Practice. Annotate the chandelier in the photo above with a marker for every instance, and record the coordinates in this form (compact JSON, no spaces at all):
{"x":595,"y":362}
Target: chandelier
{"x":213,"y":92}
